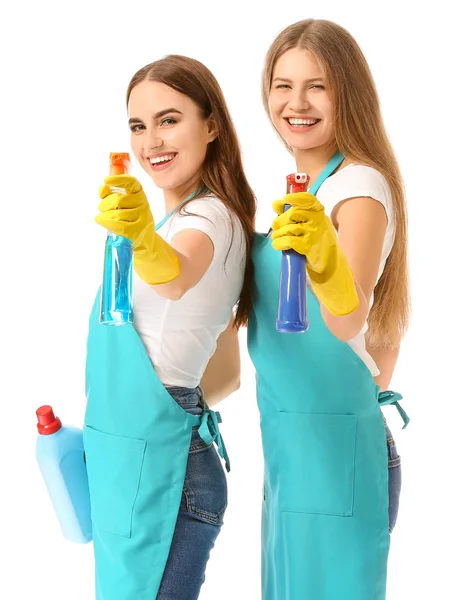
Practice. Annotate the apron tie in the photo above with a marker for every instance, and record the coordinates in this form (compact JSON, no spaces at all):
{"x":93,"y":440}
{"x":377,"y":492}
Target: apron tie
{"x":390,"y":397}
{"x":209,"y":433}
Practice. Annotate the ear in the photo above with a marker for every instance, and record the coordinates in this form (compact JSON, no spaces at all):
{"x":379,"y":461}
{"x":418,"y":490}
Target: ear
{"x":212,"y":131}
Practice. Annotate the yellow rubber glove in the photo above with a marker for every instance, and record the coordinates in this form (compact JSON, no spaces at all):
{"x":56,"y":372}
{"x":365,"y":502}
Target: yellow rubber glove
{"x":128,"y":214}
{"x":307,"y":230}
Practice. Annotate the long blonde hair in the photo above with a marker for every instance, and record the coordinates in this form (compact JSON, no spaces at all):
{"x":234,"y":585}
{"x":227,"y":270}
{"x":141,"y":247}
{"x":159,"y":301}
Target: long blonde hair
{"x":361,"y":137}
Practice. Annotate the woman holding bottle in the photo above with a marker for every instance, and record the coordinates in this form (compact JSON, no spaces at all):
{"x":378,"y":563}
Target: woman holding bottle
{"x":332,"y":473}
{"x":158,"y":490}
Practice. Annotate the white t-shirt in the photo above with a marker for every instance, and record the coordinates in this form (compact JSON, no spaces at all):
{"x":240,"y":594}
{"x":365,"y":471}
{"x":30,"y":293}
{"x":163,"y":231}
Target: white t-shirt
{"x":180,"y":336}
{"x":354,"y":181}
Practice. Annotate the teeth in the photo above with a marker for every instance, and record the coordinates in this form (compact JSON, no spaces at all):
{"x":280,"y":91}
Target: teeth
{"x":303,"y":121}
{"x":160,"y":159}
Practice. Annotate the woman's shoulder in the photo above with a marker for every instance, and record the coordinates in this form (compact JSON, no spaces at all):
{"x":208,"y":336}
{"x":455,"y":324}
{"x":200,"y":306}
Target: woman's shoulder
{"x":209,"y":213}
{"x":353,"y":181}
{"x":208,"y":205}
{"x":361,"y":176}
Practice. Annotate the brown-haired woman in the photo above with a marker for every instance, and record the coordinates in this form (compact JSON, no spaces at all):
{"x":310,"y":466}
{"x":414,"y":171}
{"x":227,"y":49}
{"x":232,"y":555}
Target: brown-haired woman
{"x":158,"y":489}
{"x":330,"y":498}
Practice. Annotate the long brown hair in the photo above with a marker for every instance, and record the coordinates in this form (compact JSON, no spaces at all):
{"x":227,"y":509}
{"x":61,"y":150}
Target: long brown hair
{"x":361,"y":137}
{"x":222,"y":171}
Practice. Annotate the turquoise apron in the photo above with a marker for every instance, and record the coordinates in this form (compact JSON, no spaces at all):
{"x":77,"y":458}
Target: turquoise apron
{"x":325,"y":512}
{"x":137,"y":441}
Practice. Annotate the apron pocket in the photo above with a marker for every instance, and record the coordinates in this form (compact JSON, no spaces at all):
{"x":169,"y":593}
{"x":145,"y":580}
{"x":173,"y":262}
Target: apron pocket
{"x":114,"y":470}
{"x":317,"y":463}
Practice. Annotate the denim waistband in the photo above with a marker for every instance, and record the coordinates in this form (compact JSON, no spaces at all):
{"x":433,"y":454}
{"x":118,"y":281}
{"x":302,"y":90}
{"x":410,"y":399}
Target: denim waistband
{"x":190,"y":399}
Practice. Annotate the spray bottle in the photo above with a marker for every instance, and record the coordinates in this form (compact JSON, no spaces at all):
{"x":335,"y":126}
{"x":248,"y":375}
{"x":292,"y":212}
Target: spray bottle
{"x":292,"y":304}
{"x":117,"y":281}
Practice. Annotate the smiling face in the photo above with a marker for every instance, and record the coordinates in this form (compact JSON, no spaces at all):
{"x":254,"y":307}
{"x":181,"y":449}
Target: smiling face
{"x":300,"y":101}
{"x":169,"y":135}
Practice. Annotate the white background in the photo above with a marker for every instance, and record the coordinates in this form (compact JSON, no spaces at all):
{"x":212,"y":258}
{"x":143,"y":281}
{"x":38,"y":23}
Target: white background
{"x":64,"y":71}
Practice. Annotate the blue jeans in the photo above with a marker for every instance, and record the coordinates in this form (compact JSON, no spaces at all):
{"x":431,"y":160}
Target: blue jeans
{"x":394,"y":478}
{"x":200,"y":518}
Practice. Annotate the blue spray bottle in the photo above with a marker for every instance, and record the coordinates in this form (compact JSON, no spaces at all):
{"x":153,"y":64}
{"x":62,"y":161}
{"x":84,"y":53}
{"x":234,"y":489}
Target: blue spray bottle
{"x":292,"y":303}
{"x":61,"y":458}
{"x":117,"y":281}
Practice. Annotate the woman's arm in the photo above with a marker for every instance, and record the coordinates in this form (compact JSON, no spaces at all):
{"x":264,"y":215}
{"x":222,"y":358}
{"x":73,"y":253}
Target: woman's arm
{"x":385,"y":359}
{"x":195,"y":252}
{"x":181,"y":263}
{"x":361,"y":224}
{"x":222,"y":375}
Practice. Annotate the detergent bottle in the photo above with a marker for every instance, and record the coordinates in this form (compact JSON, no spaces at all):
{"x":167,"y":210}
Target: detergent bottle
{"x":61,"y":459}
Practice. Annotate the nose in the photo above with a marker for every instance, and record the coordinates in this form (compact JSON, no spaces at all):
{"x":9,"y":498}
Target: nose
{"x":152,"y":140}
{"x":299,"y":102}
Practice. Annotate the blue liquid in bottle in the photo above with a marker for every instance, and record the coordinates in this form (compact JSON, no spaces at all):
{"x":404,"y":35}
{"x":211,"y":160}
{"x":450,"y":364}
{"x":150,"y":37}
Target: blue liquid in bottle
{"x":117,"y":283}
{"x":292,"y":304}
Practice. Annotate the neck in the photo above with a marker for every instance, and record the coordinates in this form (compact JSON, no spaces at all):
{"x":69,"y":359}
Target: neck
{"x":174,"y":196}
{"x":313,"y":160}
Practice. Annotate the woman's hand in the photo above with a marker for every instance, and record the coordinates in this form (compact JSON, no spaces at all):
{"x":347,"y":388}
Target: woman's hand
{"x":125,"y":211}
{"x":124,"y":208}
{"x":307,"y":230}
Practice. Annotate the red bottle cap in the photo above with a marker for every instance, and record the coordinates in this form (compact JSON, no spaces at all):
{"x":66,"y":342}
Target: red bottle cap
{"x":47,"y":422}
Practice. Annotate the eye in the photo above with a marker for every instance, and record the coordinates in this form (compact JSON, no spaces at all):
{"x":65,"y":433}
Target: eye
{"x":168,"y":121}
{"x":137,"y":128}
{"x":317,"y":87}
{"x":280,"y":86}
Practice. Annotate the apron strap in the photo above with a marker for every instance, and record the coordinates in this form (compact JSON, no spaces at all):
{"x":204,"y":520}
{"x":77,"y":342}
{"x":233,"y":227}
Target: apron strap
{"x":331,"y":166}
{"x":209,"y":433}
{"x":390,"y":397}
{"x":201,"y":189}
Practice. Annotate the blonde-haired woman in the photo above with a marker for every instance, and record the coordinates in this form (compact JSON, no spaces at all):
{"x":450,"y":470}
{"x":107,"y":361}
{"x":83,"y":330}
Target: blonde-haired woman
{"x":326,"y":513}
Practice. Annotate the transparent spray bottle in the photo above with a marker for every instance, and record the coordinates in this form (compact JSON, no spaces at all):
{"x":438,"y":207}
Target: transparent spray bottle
{"x":117,"y":281}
